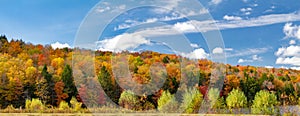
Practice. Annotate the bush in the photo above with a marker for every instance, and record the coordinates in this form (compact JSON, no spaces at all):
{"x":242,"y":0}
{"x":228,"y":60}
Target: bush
{"x":27,"y":104}
{"x":148,"y":106}
{"x":213,"y":96}
{"x":75,"y":104}
{"x":167,"y":102}
{"x":236,"y":99}
{"x":192,"y":99}
{"x":264,"y":103}
{"x":63,"y":106}
{"x":130,"y":101}
{"x":35,"y":105}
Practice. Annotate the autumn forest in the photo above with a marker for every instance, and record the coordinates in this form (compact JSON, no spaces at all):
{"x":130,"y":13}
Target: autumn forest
{"x":38,"y":78}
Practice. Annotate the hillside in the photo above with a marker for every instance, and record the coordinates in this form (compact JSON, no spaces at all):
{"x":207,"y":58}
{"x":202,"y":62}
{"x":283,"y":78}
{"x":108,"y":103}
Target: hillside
{"x":35,"y":71}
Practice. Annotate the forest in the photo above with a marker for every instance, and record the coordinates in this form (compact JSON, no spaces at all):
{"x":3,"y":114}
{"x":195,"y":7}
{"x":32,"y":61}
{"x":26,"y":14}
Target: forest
{"x":38,"y":78}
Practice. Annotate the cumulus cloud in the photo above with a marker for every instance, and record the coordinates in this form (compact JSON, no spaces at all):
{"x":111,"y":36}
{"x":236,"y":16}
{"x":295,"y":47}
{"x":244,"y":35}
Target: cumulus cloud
{"x":196,"y":54}
{"x":184,"y":27}
{"x":218,"y":50}
{"x":289,"y":60}
{"x":246,"y":9}
{"x":269,"y":67}
{"x":256,"y":58}
{"x":226,"y":17}
{"x":122,"y":42}
{"x":60,"y":45}
{"x":253,"y":59}
{"x":289,"y":55}
{"x":288,"y":51}
{"x":242,"y":61}
{"x":291,"y":31}
{"x":292,"y":42}
{"x":194,"y":45}
{"x":295,"y":68}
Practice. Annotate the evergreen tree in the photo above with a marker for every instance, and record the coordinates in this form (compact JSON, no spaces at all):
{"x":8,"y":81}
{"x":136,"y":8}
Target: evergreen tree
{"x":50,"y":87}
{"x":68,"y":80}
{"x":111,"y":88}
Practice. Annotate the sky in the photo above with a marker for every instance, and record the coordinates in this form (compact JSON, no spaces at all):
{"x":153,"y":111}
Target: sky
{"x":262,"y":33}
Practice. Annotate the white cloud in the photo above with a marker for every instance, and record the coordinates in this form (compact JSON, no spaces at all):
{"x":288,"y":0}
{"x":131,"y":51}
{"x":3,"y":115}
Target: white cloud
{"x":168,"y":4}
{"x":269,"y":67}
{"x":226,"y":17}
{"x":289,"y":55}
{"x":132,"y":23}
{"x":291,"y":31}
{"x":253,"y":59}
{"x":101,"y":9}
{"x":292,"y":42}
{"x":122,"y":42}
{"x":242,"y":61}
{"x":184,"y":27}
{"x":60,"y":45}
{"x":256,"y":58}
{"x":289,"y":60}
{"x":194,"y":45}
{"x":288,"y":51}
{"x":215,"y":2}
{"x":246,"y":9}
{"x":295,"y":68}
{"x":210,"y":25}
{"x":196,"y":54}
{"x":247,"y":13}
{"x":218,"y":50}
{"x":228,"y":49}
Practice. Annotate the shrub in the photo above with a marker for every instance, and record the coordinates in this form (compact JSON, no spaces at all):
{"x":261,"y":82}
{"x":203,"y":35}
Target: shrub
{"x":27,"y":104}
{"x":264,"y":103}
{"x":236,"y":99}
{"x":34,"y":105}
{"x":148,"y":106}
{"x":10,"y":109}
{"x":213,"y":96}
{"x":129,"y":100}
{"x":75,"y":104}
{"x":63,"y":106}
{"x":192,"y":99}
{"x":167,"y":102}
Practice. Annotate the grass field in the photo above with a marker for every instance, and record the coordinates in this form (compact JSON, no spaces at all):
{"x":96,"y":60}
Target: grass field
{"x":116,"y":114}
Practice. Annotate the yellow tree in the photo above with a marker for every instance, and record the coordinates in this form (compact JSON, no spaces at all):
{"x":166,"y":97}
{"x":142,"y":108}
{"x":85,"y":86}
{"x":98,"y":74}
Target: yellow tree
{"x":58,"y":64}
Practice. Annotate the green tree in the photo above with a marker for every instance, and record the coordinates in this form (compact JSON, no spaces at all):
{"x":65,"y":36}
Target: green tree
{"x":167,"y":102}
{"x":264,"y":103}
{"x":192,"y":99}
{"x":250,"y":86}
{"x":50,"y":88}
{"x":216,"y":102}
{"x":109,"y":85}
{"x":42,"y":90}
{"x":68,"y":81}
{"x":130,"y":101}
{"x":236,"y":99}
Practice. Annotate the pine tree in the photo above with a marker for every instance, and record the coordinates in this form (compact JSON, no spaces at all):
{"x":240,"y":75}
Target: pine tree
{"x":68,"y":80}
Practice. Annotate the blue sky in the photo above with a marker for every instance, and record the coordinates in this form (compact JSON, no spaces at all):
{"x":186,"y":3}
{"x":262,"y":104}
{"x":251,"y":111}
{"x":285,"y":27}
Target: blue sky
{"x":255,"y":32}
